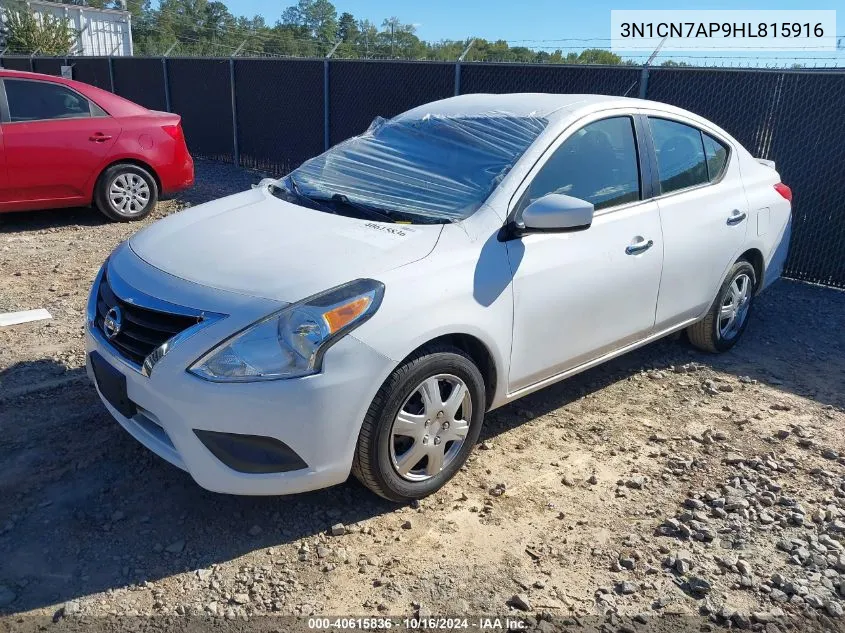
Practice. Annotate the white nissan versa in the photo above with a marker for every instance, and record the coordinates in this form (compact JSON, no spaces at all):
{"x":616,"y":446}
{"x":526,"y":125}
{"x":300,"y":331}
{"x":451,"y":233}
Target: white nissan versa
{"x":364,"y":312}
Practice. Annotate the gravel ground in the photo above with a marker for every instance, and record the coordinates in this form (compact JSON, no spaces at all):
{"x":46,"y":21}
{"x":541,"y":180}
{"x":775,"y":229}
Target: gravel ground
{"x":665,"y":490}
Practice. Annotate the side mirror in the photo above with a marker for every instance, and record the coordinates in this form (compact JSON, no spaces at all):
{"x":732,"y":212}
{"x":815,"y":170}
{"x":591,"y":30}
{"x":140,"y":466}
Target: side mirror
{"x":557,"y":212}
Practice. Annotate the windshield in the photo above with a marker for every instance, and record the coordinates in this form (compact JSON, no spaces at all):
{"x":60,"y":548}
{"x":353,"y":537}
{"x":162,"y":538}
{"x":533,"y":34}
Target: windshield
{"x":433,"y":169}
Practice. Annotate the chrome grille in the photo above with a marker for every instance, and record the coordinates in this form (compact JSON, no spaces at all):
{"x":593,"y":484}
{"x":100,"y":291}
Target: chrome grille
{"x":142,"y":330}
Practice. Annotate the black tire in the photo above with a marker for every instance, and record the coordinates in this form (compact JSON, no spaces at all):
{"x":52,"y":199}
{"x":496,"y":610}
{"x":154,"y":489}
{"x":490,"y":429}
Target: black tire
{"x":131,"y":172}
{"x":707,"y":334}
{"x":372,"y":464}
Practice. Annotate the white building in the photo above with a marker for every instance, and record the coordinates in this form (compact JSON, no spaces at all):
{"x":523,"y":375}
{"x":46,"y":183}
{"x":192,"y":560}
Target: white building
{"x":98,"y":31}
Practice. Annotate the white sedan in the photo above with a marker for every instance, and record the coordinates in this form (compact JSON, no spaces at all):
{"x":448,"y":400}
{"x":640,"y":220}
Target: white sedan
{"x":363,"y":313}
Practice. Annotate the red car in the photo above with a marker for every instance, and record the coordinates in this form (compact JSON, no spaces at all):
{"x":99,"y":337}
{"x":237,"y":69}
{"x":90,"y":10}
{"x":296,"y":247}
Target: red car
{"x":68,"y":144}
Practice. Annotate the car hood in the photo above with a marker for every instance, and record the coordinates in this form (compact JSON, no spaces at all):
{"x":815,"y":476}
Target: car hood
{"x":256,"y":244}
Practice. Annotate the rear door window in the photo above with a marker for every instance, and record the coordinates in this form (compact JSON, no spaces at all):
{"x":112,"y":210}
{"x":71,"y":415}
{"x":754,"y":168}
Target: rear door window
{"x":681,"y":161}
{"x":43,"y":101}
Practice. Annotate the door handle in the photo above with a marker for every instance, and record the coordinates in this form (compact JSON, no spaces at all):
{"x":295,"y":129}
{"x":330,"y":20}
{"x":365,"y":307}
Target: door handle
{"x":99,"y":137}
{"x":736,"y":217}
{"x":639,"y":247}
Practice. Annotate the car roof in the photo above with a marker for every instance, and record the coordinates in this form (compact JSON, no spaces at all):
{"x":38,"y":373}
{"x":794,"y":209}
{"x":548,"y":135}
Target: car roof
{"x":525,"y":104}
{"x":559,"y":110}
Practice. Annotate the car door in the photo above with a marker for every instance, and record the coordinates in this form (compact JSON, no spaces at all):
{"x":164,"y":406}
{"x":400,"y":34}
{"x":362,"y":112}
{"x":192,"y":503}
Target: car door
{"x":55,"y":139}
{"x":703,"y":211}
{"x":581,"y":294}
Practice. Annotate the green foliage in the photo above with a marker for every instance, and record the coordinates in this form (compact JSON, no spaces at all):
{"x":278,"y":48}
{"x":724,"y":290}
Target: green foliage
{"x":310,"y":28}
{"x":23,"y":33}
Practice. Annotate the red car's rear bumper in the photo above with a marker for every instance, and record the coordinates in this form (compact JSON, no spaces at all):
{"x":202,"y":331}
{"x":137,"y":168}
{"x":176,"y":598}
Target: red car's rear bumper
{"x":178,"y":177}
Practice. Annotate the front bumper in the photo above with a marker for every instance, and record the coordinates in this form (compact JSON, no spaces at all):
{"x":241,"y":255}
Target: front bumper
{"x":317,"y":417}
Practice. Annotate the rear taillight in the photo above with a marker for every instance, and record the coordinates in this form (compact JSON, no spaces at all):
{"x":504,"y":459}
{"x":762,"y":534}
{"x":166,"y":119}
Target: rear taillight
{"x":174,"y":131}
{"x":785,"y":191}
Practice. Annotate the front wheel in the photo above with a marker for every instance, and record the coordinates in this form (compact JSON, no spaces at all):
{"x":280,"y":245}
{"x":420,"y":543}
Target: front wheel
{"x":727,"y":318}
{"x":126,"y":192}
{"x":422,"y":425}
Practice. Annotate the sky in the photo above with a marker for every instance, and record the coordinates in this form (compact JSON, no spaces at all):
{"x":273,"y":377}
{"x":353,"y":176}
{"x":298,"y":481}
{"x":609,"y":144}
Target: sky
{"x":516,"y":20}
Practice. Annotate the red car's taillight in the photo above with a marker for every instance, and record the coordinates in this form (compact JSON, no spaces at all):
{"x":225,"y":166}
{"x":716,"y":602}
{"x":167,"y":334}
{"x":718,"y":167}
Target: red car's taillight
{"x":785,"y":191}
{"x":174,"y":131}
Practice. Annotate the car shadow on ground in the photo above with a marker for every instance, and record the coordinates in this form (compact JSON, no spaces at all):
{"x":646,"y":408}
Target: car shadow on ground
{"x":84,"y":508}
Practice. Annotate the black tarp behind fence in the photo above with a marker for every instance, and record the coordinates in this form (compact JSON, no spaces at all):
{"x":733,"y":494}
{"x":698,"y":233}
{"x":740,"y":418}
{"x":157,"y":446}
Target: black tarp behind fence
{"x":272,"y":114}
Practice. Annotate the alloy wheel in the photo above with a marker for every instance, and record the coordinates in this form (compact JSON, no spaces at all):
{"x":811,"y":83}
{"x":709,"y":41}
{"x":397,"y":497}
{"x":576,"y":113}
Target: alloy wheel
{"x":734,"y":308}
{"x":129,"y":194}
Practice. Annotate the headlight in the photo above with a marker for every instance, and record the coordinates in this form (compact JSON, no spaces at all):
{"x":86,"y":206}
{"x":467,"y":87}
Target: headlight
{"x":291,"y":343}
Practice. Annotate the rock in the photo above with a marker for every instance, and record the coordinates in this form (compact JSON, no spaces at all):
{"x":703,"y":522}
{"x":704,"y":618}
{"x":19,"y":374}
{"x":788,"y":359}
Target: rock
{"x":732,"y":459}
{"x":726,"y":387}
{"x":829,"y":453}
{"x":765,"y":518}
{"x":763,"y":617}
{"x":240,"y":598}
{"x":834,"y":609}
{"x":732,"y":504}
{"x":71,"y":607}
{"x":7,"y":596}
{"x":338,"y":529}
{"x":520,"y":601}
{"x":777,"y":595}
{"x":709,"y":387}
{"x":627,"y":562}
{"x":593,"y":480}
{"x":814,"y":601}
{"x":744,"y":567}
{"x":782,"y":434}
{"x":698,"y":586}
{"x":626,"y":587}
{"x":636,"y":482}
{"x":255,"y":530}
{"x":406,"y":525}
{"x":567,"y":481}
{"x":694,"y":504}
{"x":176,"y":547}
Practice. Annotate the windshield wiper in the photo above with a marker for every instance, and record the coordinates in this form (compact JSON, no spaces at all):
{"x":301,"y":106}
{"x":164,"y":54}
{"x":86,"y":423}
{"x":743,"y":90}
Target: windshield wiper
{"x":294,"y":190}
{"x":375,"y":214}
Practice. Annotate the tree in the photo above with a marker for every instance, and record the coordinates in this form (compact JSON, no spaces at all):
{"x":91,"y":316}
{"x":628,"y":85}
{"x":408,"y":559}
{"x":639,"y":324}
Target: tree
{"x":22,"y":32}
{"x":599,"y":56}
{"x":319,"y":17}
{"x":347,"y":28}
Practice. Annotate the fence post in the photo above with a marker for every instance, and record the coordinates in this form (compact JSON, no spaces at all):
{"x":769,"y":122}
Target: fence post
{"x":326,"y":121}
{"x":643,"y":82}
{"x":645,"y":71}
{"x":458,"y":67}
{"x":111,"y":73}
{"x":166,"y":83}
{"x":235,"y":146}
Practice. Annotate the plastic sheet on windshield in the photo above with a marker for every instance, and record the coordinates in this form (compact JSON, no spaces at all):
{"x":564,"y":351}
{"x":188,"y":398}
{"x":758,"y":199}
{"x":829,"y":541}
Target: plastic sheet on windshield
{"x":438,"y":167}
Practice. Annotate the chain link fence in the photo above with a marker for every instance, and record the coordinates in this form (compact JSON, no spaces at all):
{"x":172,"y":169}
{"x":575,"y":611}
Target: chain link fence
{"x":272,"y":114}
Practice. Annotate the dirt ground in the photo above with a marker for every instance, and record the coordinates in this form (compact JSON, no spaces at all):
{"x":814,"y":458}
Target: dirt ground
{"x":666,"y":490}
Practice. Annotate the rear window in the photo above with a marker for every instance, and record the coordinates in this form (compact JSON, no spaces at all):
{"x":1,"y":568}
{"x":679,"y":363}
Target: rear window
{"x":717,"y":157}
{"x":436,"y":167}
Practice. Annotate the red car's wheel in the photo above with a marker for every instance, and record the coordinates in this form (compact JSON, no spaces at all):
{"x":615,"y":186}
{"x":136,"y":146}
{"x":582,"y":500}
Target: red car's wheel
{"x":126,"y":192}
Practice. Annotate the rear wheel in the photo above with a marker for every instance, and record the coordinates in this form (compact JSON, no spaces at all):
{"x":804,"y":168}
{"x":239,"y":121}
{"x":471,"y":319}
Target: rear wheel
{"x":421,"y":425}
{"x":126,"y":192}
{"x":728,"y":316}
